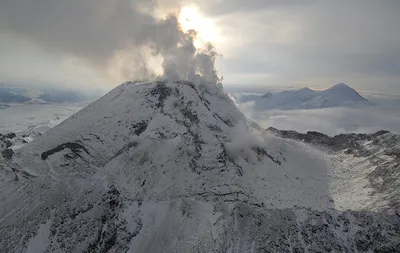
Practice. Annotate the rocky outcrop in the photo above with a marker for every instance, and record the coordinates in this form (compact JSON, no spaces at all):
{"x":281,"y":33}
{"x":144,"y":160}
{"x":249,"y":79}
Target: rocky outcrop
{"x":7,"y":153}
{"x":6,"y":141}
{"x":351,"y":141}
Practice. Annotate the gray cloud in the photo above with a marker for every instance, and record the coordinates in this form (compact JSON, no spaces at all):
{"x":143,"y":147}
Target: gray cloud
{"x":315,"y":43}
{"x":90,"y":28}
{"x":223,"y":7}
{"x":313,"y":40}
{"x":95,"y":30}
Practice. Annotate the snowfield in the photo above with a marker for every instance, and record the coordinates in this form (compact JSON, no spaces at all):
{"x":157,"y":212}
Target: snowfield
{"x":20,"y":118}
{"x":30,"y":120}
{"x":176,"y":167}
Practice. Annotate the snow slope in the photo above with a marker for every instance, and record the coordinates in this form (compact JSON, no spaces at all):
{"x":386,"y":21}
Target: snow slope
{"x":366,"y":174}
{"x":175,"y":167}
{"x":338,"y":95}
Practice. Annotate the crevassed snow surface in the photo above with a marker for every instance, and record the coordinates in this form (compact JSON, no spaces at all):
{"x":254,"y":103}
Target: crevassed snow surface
{"x":176,"y":167}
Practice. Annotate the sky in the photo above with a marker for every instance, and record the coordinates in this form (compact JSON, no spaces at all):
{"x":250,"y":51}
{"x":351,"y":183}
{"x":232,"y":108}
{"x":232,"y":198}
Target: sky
{"x":87,"y":44}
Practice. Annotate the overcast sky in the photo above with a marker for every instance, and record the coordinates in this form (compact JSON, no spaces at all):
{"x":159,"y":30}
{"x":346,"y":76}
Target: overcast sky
{"x":86,"y":43}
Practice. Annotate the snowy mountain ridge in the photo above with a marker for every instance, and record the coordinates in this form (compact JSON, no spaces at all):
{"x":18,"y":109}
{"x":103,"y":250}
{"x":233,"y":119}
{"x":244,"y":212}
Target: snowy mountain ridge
{"x":305,"y":98}
{"x":176,"y":167}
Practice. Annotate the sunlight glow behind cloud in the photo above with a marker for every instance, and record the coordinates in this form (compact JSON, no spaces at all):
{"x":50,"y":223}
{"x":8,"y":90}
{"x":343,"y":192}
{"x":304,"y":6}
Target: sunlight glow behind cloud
{"x":191,"y":17}
{"x":265,"y":42}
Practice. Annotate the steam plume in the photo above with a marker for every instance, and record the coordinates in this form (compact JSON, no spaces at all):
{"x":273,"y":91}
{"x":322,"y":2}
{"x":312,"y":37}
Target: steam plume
{"x":97,"y":31}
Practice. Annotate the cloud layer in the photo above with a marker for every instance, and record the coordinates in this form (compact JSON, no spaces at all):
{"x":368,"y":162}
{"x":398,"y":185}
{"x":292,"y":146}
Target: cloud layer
{"x":315,"y":43}
{"x":382,"y":114}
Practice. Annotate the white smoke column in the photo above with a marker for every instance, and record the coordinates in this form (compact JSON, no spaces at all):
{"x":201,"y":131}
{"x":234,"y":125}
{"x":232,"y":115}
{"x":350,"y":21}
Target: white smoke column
{"x":205,"y":61}
{"x":182,"y":60}
{"x":179,"y":63}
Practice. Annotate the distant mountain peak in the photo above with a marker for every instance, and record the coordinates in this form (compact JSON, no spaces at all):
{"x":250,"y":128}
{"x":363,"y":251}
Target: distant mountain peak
{"x":305,"y":98}
{"x":347,"y":92}
{"x":341,"y":86}
{"x":306,"y":89}
{"x":267,"y":95}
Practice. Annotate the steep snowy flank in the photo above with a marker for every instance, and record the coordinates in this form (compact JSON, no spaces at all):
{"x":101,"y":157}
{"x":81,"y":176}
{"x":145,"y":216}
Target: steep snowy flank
{"x":176,"y":167}
{"x":338,"y":95}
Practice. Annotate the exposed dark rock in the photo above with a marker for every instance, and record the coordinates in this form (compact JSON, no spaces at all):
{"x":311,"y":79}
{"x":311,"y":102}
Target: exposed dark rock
{"x":7,"y":153}
{"x":336,"y":143}
{"x":75,"y":148}
{"x":162,"y":91}
{"x":227,"y":122}
{"x":126,"y":147}
{"x":187,"y":113}
{"x":261,"y":152}
{"x":140,"y":127}
{"x":7,"y":143}
{"x":214,"y":128}
{"x":197,"y":141}
{"x":10,"y":135}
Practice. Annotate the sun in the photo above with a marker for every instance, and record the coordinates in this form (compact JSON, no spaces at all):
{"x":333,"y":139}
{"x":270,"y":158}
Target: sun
{"x":190,"y":17}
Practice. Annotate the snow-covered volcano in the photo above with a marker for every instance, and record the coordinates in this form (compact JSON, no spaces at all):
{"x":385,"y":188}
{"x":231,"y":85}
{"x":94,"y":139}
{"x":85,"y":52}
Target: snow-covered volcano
{"x":338,"y":95}
{"x":176,"y":167}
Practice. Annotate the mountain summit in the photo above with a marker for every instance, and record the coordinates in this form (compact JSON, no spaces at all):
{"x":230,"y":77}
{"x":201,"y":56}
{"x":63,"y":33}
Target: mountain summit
{"x":340,"y":86}
{"x":305,"y":98}
{"x":176,"y":167}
